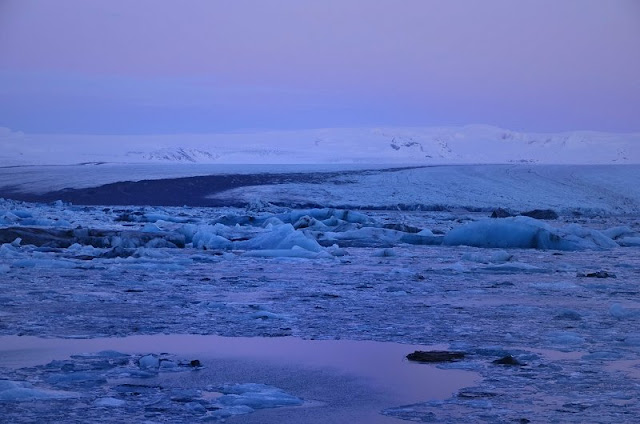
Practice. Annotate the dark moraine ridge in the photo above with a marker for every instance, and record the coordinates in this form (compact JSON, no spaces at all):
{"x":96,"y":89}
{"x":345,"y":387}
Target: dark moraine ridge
{"x":189,"y":191}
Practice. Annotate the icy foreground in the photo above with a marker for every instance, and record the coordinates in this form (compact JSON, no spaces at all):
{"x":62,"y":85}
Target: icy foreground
{"x":559,"y":296}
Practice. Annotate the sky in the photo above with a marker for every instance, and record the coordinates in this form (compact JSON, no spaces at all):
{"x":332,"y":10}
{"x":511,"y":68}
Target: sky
{"x":197,"y":66}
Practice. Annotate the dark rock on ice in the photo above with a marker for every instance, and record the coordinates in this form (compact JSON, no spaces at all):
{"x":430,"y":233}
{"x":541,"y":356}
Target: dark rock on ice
{"x":475,"y":394}
{"x":83,"y":257}
{"x":118,"y":252}
{"x":500,"y":213}
{"x":435,"y":356}
{"x":129,"y":217}
{"x":596,"y":274}
{"x":305,"y":222}
{"x":568,"y":314}
{"x":508,"y":360}
{"x":48,"y":237}
{"x":136,"y":389}
{"x":402,"y":227}
{"x":541,"y":214}
{"x":101,"y":238}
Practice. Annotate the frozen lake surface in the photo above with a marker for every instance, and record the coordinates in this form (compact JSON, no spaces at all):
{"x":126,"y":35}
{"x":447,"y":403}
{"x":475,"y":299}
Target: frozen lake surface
{"x":328,"y":298}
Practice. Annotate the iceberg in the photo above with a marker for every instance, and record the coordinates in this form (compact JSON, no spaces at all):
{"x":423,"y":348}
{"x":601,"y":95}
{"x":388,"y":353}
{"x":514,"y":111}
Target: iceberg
{"x":526,"y":233}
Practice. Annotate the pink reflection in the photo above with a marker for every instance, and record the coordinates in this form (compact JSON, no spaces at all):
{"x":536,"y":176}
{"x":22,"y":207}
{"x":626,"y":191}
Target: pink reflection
{"x":381,"y":365}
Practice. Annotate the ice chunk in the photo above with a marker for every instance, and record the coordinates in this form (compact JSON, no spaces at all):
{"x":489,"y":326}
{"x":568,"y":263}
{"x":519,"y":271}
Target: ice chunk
{"x":617,"y":311}
{"x":591,"y":239}
{"x":514,"y":267}
{"x":475,"y":257}
{"x":280,"y":237}
{"x":151,"y":228}
{"x":618,"y":232}
{"x":113,"y":354}
{"x":375,"y":237}
{"x":156,"y":216}
{"x":8,"y":250}
{"x":77,"y":378}
{"x":565,"y":338}
{"x":501,"y":256}
{"x":335,"y":215}
{"x":18,"y":391}
{"x":568,"y":314}
{"x":421,"y":239}
{"x":149,"y":362}
{"x":110,"y":402}
{"x":8,"y":385}
{"x":227,"y":412}
{"x":526,"y":233}
{"x":294,"y":252}
{"x":208,"y":237}
{"x":629,"y":241}
{"x":168,"y":365}
{"x":196,"y":407}
{"x":272,"y":222}
{"x":385,"y":253}
{"x":44,"y":263}
{"x":257,"y":396}
{"x":159,"y":242}
{"x":311,"y":223}
{"x":335,"y":250}
{"x":21,"y":213}
{"x":497,"y":256}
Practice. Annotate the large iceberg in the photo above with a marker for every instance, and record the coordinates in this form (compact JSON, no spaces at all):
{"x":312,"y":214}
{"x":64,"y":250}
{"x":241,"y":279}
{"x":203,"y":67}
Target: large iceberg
{"x":526,"y":233}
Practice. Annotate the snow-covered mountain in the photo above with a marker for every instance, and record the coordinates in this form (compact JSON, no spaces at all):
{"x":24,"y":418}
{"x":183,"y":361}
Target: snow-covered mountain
{"x":176,"y":154}
{"x":420,"y":145}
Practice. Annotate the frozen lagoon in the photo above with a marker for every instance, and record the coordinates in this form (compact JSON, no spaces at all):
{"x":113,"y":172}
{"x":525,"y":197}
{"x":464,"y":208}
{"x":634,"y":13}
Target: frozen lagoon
{"x":577,"y":334}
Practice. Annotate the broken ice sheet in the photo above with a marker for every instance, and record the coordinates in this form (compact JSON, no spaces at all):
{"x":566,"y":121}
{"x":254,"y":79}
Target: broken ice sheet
{"x":380,"y":285}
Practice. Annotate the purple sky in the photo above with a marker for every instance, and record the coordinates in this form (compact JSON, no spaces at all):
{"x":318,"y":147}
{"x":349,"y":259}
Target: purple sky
{"x":158,"y":66}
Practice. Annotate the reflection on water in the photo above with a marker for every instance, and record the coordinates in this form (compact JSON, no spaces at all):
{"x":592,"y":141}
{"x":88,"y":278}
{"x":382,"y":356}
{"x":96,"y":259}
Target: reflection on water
{"x":382,"y":365}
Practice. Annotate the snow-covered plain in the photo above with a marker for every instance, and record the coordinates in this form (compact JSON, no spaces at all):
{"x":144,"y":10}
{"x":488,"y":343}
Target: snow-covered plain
{"x":560,"y":296}
{"x":423,"y":145}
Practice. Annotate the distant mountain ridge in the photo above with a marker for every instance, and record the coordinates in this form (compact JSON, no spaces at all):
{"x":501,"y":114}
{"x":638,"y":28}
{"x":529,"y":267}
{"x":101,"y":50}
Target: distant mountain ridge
{"x":401,"y":145}
{"x":179,"y":154}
